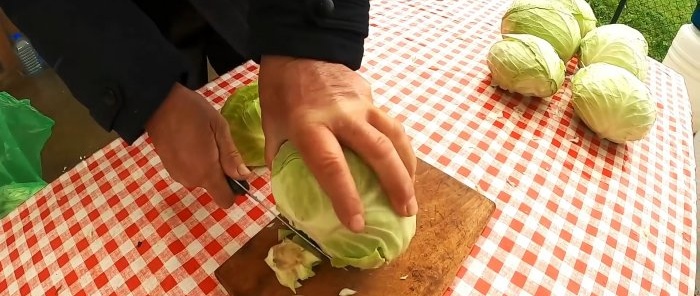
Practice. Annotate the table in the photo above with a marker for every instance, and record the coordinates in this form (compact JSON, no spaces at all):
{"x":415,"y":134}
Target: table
{"x":575,"y":215}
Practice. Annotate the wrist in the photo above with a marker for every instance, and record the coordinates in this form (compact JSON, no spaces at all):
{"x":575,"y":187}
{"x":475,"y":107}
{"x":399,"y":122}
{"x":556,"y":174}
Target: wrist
{"x":177,"y":91}
{"x":275,"y":62}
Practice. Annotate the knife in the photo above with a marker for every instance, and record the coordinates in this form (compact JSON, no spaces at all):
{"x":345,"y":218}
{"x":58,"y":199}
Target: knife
{"x":242,"y":187}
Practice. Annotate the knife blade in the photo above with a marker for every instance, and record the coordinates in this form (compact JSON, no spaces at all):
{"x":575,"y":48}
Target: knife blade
{"x":242,"y":187}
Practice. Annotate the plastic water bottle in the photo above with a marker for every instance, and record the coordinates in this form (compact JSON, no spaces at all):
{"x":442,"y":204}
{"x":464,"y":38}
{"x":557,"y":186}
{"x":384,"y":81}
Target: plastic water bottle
{"x":28,"y":57}
{"x":682,"y":57}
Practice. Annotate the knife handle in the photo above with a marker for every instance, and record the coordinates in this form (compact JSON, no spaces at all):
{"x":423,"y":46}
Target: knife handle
{"x":237,"y":188}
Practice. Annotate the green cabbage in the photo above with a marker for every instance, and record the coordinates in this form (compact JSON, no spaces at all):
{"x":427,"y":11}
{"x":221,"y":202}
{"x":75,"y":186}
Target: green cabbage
{"x":526,"y":64}
{"x":547,"y":19}
{"x":619,"y":45}
{"x":301,"y":200}
{"x":242,"y":112}
{"x":613,"y":103}
{"x":583,"y":13}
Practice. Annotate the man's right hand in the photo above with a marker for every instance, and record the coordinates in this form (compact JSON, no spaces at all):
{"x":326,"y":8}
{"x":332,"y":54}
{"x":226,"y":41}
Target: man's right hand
{"x":194,"y":144}
{"x":321,"y":107}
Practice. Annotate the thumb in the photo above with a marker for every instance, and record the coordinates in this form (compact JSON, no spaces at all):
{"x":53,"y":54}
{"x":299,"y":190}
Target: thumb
{"x":273,"y":140}
{"x":272,"y":146}
{"x":231,"y":160}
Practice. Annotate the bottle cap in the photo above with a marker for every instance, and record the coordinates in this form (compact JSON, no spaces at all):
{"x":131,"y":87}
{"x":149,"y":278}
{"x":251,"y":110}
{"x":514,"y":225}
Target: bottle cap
{"x":16,"y":36}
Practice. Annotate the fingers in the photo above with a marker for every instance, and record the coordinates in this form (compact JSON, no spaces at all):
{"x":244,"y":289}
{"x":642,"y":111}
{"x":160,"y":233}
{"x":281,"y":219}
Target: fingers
{"x":270,"y":117}
{"x":324,"y":157}
{"x":397,"y":134}
{"x":378,"y":150}
{"x":232,"y":164}
{"x":272,"y":142}
{"x":231,"y":160}
{"x":219,"y":190}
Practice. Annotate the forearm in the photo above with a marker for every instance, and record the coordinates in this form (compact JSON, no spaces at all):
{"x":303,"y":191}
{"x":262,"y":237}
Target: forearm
{"x":293,"y":28}
{"x":111,"y":57}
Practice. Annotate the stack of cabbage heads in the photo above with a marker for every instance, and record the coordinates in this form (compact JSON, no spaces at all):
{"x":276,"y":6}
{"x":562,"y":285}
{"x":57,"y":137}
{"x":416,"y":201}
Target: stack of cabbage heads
{"x":539,"y":37}
{"x":550,"y":20}
{"x":609,"y":94}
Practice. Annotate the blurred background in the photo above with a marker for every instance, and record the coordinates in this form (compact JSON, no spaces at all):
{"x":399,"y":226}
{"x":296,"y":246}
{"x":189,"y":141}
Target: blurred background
{"x":74,"y":135}
{"x":658,"y":20}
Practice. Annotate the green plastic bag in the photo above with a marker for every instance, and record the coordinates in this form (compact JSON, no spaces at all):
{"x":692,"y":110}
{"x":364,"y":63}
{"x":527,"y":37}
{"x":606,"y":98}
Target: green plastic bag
{"x":23,"y":134}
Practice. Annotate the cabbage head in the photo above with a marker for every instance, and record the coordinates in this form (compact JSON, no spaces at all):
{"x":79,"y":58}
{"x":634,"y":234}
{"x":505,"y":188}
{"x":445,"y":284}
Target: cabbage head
{"x":242,"y":112}
{"x":303,"y":202}
{"x":583,"y":13}
{"x":526,"y":64}
{"x":548,"y":19}
{"x":613,"y":103}
{"x":616,"y":44}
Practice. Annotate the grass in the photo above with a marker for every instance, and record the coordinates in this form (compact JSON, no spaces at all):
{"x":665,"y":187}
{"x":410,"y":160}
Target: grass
{"x":658,"y":20}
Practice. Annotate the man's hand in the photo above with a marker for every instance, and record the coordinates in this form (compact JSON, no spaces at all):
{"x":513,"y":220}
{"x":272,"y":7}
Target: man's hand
{"x":320,"y":106}
{"x":194,"y":143}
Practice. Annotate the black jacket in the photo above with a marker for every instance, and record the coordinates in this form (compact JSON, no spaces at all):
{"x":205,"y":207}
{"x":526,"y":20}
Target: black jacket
{"x":117,"y":63}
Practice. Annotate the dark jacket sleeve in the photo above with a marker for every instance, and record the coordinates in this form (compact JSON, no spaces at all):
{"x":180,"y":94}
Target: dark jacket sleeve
{"x":310,"y":29}
{"x":108,"y":53}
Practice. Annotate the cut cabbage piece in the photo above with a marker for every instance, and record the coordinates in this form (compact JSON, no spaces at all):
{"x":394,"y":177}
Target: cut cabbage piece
{"x":347,"y":292}
{"x":291,"y":263}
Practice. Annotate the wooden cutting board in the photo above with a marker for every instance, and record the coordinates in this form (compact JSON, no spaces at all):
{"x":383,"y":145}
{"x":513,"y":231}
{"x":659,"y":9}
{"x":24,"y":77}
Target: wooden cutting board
{"x":451,"y":217}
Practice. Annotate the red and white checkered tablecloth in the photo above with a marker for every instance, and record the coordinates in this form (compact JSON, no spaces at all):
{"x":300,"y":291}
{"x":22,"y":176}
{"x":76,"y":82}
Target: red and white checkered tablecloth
{"x":575,"y":215}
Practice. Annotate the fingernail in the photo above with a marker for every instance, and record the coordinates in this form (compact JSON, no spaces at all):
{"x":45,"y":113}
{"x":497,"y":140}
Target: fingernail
{"x":357,"y":223}
{"x":243,"y":170}
{"x":412,"y":207}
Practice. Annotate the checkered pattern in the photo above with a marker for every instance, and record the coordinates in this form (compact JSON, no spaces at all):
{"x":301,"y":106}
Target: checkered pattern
{"x":575,"y":214}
